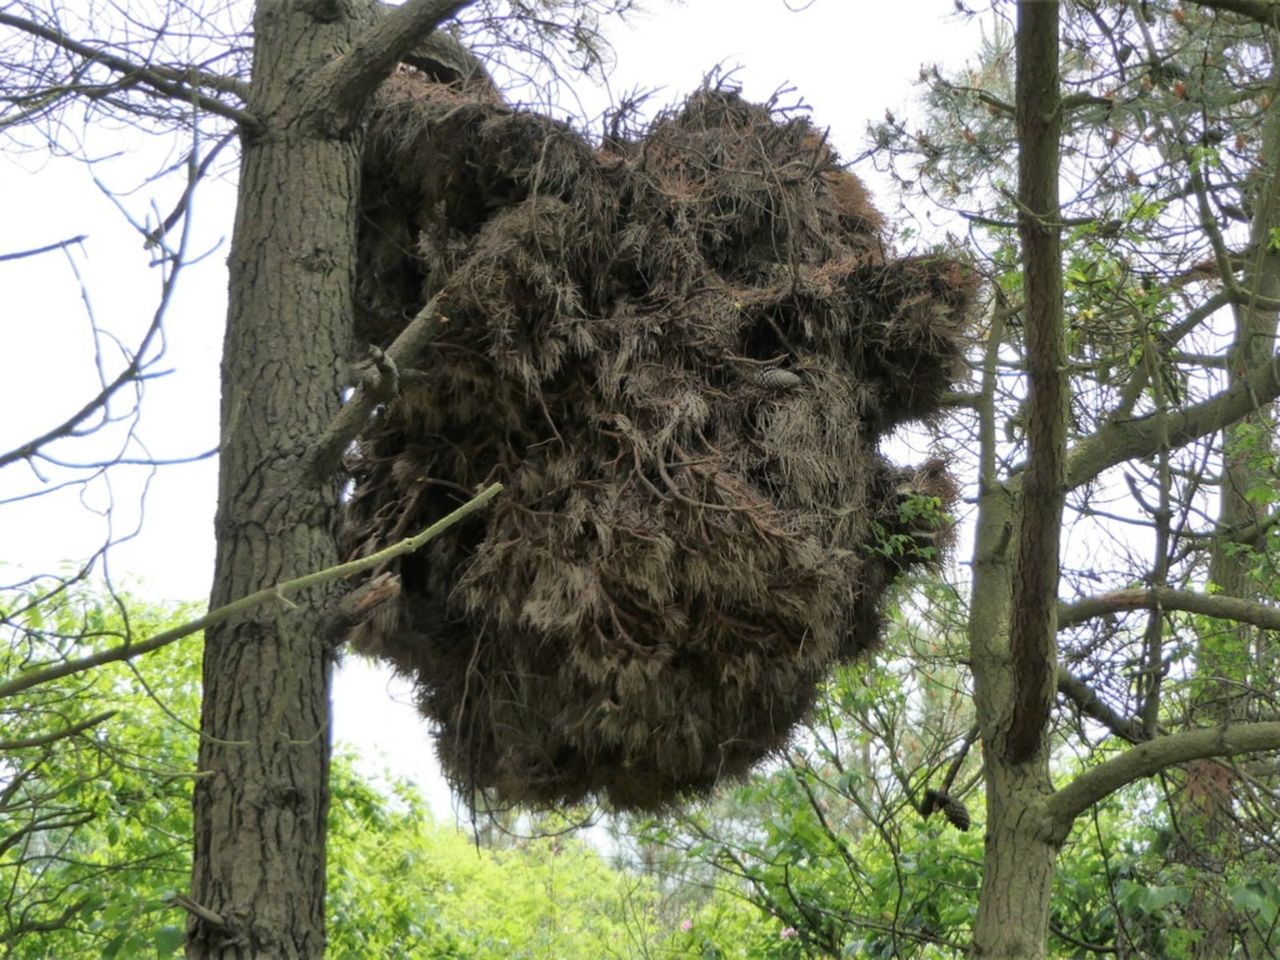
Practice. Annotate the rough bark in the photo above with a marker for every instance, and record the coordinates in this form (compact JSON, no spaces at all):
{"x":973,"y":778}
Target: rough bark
{"x":1013,"y":905}
{"x":262,"y":795}
{"x":1032,"y":626}
{"x":1253,"y":347}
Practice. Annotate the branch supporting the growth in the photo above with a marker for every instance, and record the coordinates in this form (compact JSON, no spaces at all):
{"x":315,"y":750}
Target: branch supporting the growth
{"x":1147,"y":759}
{"x":348,"y":82}
{"x":127,"y":651}
{"x":1166,"y":598}
{"x":326,"y":455}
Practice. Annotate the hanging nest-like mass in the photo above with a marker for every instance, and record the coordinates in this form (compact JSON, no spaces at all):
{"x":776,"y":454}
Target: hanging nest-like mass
{"x":678,"y":350}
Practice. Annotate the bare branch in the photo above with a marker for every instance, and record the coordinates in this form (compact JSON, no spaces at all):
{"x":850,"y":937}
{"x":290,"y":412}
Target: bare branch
{"x":168,"y":81}
{"x":1127,"y":440}
{"x":1266,"y":12}
{"x":184,"y":202}
{"x":1150,"y":758}
{"x":45,"y":249}
{"x":133,"y":372}
{"x":127,"y":651}
{"x":1226,"y":608}
{"x":1092,"y":706}
{"x":346,"y":426}
{"x":196,"y":910}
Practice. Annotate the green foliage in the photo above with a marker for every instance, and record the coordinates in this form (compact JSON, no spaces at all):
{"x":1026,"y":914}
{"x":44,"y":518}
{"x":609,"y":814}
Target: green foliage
{"x":402,"y":885}
{"x":918,"y":512}
{"x":829,"y":845}
{"x":1251,"y":445}
{"x":96,"y":879}
{"x":95,"y":832}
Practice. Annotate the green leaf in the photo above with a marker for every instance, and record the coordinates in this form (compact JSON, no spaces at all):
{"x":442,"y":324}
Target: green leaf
{"x":1246,"y":897}
{"x":1155,"y":899}
{"x":169,"y":940}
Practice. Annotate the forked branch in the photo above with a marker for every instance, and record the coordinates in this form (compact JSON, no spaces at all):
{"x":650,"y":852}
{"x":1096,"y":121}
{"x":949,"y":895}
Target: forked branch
{"x":347,"y":84}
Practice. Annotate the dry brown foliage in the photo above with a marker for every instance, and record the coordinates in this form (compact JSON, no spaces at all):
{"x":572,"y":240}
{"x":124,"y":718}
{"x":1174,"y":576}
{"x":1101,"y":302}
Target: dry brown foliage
{"x":678,"y":351}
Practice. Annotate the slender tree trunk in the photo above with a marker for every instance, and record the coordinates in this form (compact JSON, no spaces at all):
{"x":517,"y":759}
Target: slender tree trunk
{"x":261,"y":800}
{"x":1013,"y":622}
{"x":1237,"y":656}
{"x":1013,"y":905}
{"x":1229,"y":665}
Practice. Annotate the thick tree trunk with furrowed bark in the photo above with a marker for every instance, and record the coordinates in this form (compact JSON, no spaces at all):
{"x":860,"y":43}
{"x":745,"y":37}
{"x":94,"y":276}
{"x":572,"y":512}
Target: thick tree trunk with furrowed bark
{"x":1018,"y":862}
{"x":261,"y":800}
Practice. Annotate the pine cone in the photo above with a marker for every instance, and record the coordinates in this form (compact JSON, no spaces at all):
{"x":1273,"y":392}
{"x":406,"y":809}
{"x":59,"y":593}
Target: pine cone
{"x":775,"y":378}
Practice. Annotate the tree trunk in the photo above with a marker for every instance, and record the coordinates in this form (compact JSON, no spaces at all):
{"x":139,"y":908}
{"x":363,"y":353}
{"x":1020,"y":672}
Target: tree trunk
{"x":1013,"y":905}
{"x":1236,"y":657}
{"x":262,"y":797}
{"x":1013,"y":622}
{"x":1017,"y":864}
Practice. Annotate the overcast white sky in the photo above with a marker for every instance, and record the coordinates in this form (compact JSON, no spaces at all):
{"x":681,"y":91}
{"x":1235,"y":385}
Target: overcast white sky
{"x":848,"y":59}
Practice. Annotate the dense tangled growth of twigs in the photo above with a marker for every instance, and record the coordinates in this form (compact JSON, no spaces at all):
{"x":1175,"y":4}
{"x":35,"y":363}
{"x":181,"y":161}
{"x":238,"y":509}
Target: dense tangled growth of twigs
{"x":677,"y":350}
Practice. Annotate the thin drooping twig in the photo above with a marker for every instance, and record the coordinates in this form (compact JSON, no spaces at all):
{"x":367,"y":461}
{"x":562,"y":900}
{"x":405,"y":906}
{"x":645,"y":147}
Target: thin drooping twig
{"x":20,"y":254}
